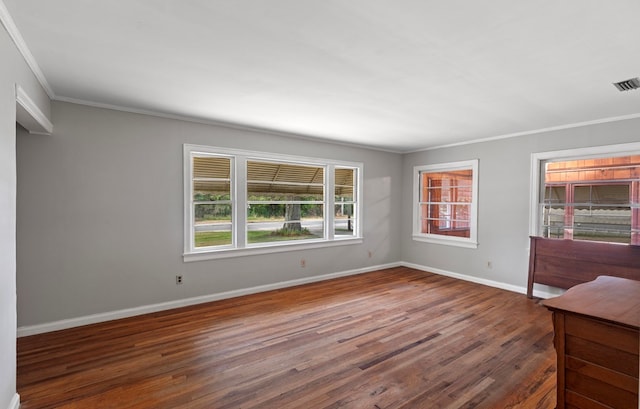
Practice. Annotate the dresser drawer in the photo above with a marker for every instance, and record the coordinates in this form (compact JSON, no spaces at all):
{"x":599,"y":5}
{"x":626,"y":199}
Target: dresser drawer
{"x":602,"y":355}
{"x":612,"y":335}
{"x":574,"y":400}
{"x":600,"y":384}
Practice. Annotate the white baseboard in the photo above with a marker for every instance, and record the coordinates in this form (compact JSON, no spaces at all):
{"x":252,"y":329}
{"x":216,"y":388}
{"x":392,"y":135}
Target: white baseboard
{"x":15,"y":402}
{"x":145,"y":309}
{"x":478,"y":280}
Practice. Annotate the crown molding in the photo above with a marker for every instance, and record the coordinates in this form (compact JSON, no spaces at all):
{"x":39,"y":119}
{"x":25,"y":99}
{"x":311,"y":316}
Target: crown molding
{"x":533,"y":132}
{"x":18,"y":40}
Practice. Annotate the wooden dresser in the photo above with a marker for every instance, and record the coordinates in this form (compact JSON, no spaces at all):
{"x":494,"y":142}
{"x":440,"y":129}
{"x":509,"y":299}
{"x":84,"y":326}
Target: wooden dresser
{"x":596,"y":339}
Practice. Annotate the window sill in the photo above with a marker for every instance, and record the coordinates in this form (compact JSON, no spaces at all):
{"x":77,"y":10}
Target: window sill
{"x":448,"y":241}
{"x":266,"y":249}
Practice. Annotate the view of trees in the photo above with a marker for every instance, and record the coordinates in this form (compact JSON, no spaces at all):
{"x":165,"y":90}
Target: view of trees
{"x":256,"y":211}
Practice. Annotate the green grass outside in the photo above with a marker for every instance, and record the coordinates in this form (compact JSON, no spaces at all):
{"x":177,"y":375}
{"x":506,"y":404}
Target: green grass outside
{"x":221,"y":238}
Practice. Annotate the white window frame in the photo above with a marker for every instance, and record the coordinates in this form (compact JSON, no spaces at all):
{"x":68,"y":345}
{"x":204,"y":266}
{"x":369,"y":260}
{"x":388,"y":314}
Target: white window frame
{"x":239,"y":246}
{"x":468,"y":242}
{"x":537,"y":171}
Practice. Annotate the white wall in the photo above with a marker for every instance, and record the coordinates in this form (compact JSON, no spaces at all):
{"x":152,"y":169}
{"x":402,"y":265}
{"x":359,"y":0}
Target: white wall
{"x":100,"y":213}
{"x":13,"y":70}
{"x":504,"y":191}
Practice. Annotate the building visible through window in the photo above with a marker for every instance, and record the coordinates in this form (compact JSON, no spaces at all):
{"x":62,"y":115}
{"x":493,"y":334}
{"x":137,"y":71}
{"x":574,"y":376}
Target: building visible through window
{"x":446,"y":203}
{"x":592,"y":199}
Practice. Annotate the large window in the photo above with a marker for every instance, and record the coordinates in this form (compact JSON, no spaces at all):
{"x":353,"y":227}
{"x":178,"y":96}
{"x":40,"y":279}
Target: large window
{"x":589,"y":194}
{"x":239,"y":201}
{"x":592,"y":199}
{"x":446,"y":203}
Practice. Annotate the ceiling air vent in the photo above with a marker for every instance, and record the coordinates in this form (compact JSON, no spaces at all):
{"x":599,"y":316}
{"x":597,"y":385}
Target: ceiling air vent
{"x":628,"y":85}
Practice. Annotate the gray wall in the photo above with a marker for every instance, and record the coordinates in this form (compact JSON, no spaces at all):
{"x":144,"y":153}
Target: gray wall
{"x":100,"y":213}
{"x":13,"y":70}
{"x":503,"y":202}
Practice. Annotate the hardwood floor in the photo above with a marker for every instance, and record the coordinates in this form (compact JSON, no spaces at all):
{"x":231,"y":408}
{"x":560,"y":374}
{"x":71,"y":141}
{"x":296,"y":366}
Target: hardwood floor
{"x":396,"y":338}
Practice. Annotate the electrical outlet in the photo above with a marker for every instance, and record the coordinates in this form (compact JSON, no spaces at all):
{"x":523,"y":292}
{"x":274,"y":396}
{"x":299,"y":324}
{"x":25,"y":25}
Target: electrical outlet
{"x":179,"y":279}
{"x":489,"y":264}
{"x":303,"y":263}
{"x":370,"y":254}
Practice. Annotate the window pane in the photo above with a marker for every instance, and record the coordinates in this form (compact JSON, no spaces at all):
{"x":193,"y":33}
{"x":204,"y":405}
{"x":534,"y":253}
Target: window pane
{"x":553,"y":221}
{"x":212,"y":225}
{"x":212,"y":209}
{"x":599,"y":199}
{"x":461,"y":216}
{"x":345,"y":184}
{"x":206,"y":191}
{"x":344,"y":221}
{"x":272,"y":178}
{"x":602,"y":194}
{"x":277,"y":194}
{"x":212,"y":167}
{"x":211,"y":178}
{"x":446,"y":207}
{"x":282,"y":222}
{"x":450,"y":220}
{"x":553,"y":211}
{"x":212,"y":213}
{"x":345,"y":202}
{"x":284,"y":192}
{"x":212,"y":238}
{"x":450,"y":186}
{"x":554,"y":194}
{"x":602,"y":223}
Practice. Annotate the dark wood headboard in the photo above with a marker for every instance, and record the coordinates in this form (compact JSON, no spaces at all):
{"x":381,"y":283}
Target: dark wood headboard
{"x":565,"y":263}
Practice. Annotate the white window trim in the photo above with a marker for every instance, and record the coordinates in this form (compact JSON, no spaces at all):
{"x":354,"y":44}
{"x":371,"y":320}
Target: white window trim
{"x":472,"y":240}
{"x":538,"y":158}
{"x":239,"y":247}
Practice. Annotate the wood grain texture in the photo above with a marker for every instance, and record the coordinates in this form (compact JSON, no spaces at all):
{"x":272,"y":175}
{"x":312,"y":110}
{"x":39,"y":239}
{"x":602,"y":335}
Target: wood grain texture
{"x":597,"y":339}
{"x":612,"y":299}
{"x":566,"y":263}
{"x":395,"y":338}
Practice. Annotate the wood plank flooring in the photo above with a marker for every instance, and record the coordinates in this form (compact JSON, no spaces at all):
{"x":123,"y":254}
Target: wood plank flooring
{"x":391,"y":339}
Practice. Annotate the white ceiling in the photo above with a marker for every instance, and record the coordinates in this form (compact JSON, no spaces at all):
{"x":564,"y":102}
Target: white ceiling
{"x":398,"y":75}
